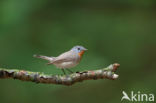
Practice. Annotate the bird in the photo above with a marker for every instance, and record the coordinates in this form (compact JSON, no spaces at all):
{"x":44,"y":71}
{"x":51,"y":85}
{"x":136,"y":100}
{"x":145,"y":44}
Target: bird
{"x":67,"y":59}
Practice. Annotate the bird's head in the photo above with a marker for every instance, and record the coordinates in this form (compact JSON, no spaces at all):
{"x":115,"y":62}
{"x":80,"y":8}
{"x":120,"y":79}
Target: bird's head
{"x":79,"y":49}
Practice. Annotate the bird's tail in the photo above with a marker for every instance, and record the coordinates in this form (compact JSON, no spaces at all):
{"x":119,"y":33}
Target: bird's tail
{"x":50,"y":59}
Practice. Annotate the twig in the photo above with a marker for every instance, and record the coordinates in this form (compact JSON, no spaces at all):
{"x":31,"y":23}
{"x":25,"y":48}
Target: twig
{"x":70,"y":79}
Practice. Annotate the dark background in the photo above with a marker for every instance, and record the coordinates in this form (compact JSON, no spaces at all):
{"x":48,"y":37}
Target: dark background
{"x":122,"y":31}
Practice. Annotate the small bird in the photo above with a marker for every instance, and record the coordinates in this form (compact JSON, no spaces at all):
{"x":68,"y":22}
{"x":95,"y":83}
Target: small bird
{"x":66,"y":60}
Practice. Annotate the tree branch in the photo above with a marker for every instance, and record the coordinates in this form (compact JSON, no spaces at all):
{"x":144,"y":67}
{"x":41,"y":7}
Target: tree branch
{"x":70,"y":79}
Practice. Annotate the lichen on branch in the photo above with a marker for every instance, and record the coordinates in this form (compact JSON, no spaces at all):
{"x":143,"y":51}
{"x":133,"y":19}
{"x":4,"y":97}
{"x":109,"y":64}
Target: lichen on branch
{"x":104,"y":73}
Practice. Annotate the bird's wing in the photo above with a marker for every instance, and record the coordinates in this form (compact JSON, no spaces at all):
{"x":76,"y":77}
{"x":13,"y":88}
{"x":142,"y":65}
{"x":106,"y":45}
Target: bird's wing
{"x":65,"y":57}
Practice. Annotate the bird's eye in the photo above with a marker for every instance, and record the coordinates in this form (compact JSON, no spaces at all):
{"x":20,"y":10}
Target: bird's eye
{"x":78,"y":48}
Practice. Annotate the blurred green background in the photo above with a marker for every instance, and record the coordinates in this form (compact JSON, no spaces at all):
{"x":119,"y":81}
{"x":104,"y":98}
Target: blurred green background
{"x":122,"y":31}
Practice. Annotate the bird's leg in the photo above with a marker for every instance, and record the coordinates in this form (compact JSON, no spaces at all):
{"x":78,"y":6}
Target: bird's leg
{"x":63,"y":71}
{"x":70,"y":71}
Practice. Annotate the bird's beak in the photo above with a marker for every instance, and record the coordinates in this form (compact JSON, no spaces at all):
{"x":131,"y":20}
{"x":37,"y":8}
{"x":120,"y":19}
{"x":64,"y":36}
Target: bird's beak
{"x":85,"y":49}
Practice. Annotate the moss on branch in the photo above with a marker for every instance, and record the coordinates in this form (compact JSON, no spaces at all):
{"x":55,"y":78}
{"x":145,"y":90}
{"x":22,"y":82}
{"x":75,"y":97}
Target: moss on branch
{"x":104,"y":73}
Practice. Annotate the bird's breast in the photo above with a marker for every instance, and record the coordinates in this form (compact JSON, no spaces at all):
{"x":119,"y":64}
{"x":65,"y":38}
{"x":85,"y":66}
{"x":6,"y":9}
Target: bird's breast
{"x":64,"y":65}
{"x":81,"y":54}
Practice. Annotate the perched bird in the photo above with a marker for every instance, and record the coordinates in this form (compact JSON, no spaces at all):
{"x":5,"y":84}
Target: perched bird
{"x":66,"y":60}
